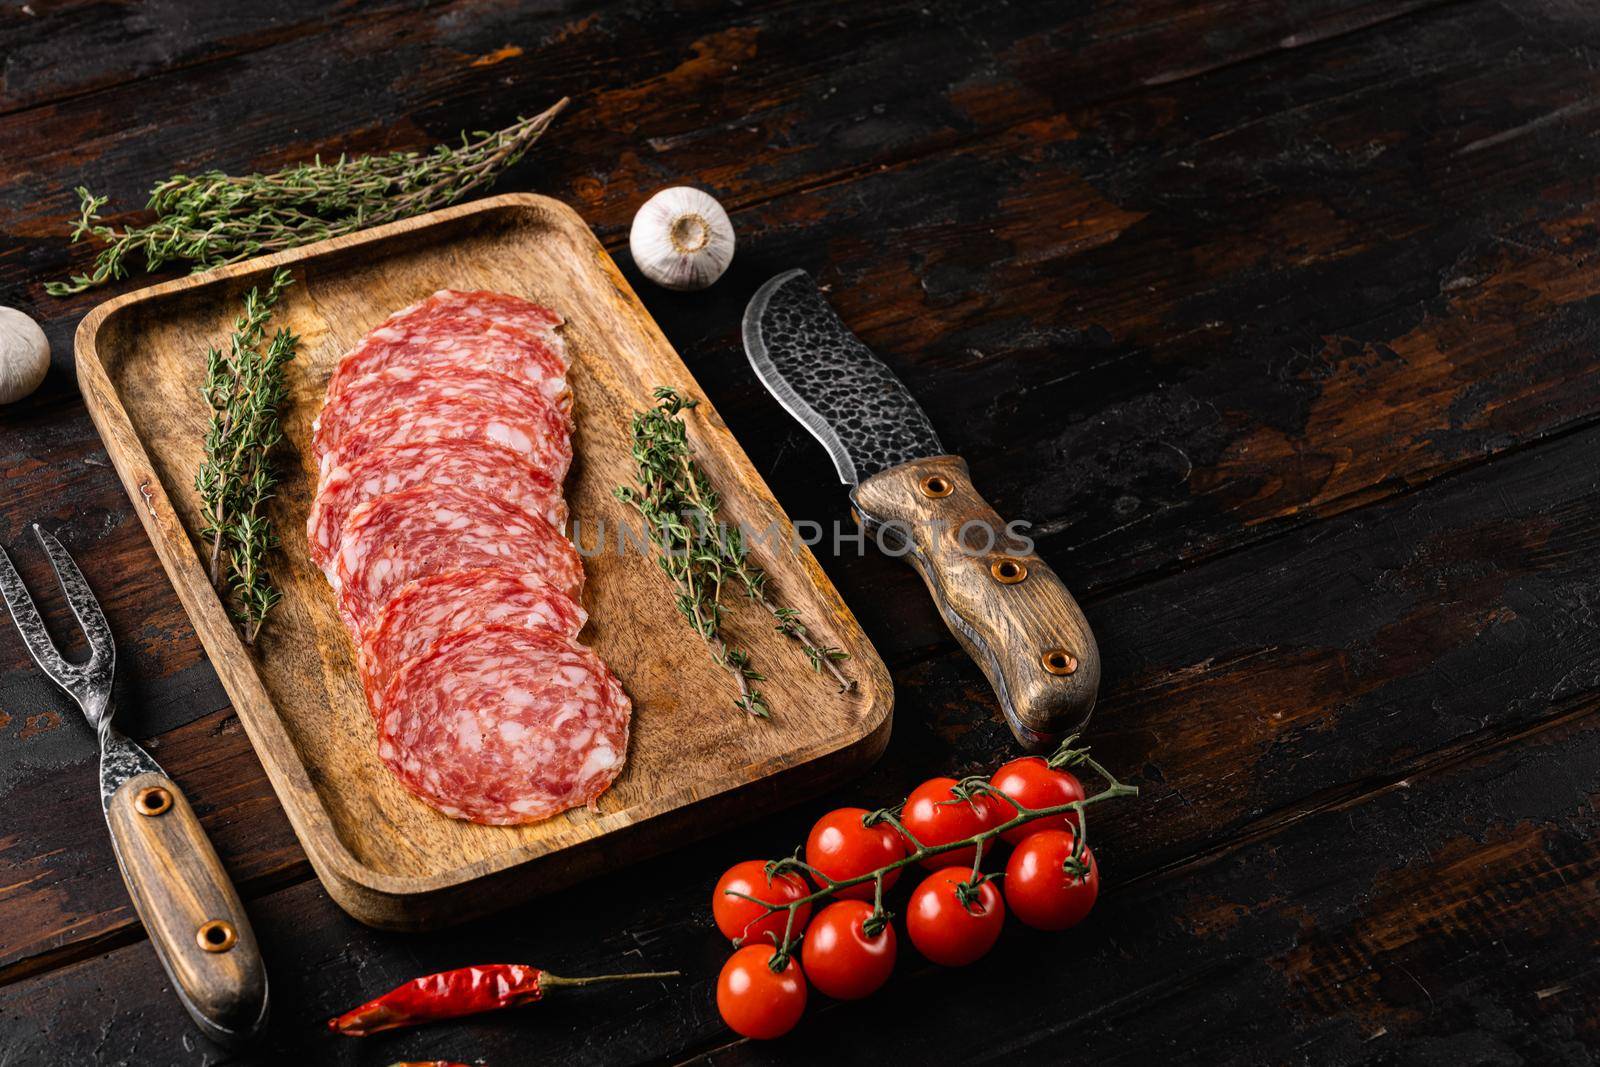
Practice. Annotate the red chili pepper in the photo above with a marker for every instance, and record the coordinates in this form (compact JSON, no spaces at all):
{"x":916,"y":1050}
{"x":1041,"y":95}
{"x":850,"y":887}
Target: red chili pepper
{"x":464,"y":991}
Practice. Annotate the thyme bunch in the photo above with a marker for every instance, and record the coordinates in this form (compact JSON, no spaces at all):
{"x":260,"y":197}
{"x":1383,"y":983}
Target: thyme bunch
{"x":699,"y":553}
{"x":245,"y":389}
{"x":213,"y":218}
{"x":1077,"y":864}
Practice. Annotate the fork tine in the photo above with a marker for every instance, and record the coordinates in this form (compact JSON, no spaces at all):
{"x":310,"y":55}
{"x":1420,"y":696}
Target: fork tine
{"x":26,"y":617}
{"x":80,"y":598}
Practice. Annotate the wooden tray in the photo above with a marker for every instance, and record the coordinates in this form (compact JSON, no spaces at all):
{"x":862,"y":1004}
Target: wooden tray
{"x":695,"y":763}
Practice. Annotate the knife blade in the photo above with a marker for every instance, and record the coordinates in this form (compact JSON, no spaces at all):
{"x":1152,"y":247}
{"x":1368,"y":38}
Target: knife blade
{"x":1001,"y":601}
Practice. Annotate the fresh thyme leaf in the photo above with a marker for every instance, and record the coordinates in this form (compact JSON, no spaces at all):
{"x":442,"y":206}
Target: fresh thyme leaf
{"x":245,"y":389}
{"x":214,"y":218}
{"x":700,"y":554}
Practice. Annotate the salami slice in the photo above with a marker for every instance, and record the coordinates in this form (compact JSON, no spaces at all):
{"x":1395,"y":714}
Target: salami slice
{"x":498,"y":471}
{"x":543,"y":435}
{"x":500,"y":349}
{"x":455,"y":308}
{"x":429,"y":608}
{"x":503,"y":724}
{"x":400,"y":387}
{"x":394,"y":539}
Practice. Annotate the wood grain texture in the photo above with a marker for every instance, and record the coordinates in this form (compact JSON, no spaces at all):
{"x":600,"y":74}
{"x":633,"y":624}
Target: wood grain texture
{"x":386,"y":857}
{"x":189,"y":907}
{"x":1277,"y":320}
{"x":1002,"y":602}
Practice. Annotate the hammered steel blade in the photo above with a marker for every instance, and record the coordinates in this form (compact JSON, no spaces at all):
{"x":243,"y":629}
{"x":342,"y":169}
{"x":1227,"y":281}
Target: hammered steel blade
{"x":831,"y":382}
{"x":88,"y":683}
{"x":102,"y":664}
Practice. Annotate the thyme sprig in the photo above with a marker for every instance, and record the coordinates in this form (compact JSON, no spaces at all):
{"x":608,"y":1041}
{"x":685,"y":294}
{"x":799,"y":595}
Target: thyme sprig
{"x":245,"y":389}
{"x":699,"y":553}
{"x":213,"y":218}
{"x":1076,"y":864}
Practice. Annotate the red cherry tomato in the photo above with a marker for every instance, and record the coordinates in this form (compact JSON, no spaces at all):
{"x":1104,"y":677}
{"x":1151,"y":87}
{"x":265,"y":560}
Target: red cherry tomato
{"x":841,"y":847}
{"x":756,"y":1002}
{"x":947,"y":931}
{"x":934,"y":816}
{"x":841,"y":958}
{"x":746,"y":921}
{"x":1034,"y":784}
{"x":1038,"y":888}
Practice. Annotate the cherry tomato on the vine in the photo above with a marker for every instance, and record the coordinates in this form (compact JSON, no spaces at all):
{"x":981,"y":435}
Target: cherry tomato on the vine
{"x":945,"y":929}
{"x":1038,"y":888}
{"x":842,"y":847}
{"x":841,"y":958}
{"x":1034,"y":784}
{"x":935,"y":816}
{"x":756,"y":1001}
{"x":738,"y":918}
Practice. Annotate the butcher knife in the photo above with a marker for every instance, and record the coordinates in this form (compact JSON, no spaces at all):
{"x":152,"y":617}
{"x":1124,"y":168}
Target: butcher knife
{"x":1002,"y":602}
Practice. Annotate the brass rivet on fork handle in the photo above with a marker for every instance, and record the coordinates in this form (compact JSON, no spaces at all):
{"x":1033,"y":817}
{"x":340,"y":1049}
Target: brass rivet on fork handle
{"x":218,"y":935}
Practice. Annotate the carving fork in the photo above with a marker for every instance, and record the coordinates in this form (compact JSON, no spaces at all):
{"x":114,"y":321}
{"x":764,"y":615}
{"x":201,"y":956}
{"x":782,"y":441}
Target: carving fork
{"x":178,"y":885}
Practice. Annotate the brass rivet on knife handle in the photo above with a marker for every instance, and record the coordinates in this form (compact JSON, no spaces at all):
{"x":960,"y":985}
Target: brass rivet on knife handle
{"x":189,"y":907}
{"x":1029,"y":637}
{"x":937,"y":486}
{"x":153,"y":800}
{"x":1058,"y":661}
{"x":1008,"y":570}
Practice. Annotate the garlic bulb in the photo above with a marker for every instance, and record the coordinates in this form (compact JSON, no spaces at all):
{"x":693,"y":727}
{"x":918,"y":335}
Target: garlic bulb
{"x":682,"y":239}
{"x":24,"y":355}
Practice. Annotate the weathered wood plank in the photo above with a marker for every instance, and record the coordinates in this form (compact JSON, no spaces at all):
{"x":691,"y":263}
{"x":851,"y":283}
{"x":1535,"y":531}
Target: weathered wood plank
{"x":751,"y":104}
{"x":60,"y":49}
{"x":1456,"y":909}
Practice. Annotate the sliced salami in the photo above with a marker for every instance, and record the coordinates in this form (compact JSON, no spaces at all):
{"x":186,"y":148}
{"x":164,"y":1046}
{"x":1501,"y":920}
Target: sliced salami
{"x":440,"y":604}
{"x":543,"y":435}
{"x":453,"y":312}
{"x":398,"y":388}
{"x":500,"y":472}
{"x":503,"y":724}
{"x":539,"y":360}
{"x":398,"y":538}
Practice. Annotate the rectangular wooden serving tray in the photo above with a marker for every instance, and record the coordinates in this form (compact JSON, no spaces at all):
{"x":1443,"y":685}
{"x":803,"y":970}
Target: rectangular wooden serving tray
{"x":695,"y":763}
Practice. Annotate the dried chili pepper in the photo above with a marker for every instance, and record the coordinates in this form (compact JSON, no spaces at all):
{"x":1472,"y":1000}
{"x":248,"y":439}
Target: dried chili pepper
{"x":464,"y":991}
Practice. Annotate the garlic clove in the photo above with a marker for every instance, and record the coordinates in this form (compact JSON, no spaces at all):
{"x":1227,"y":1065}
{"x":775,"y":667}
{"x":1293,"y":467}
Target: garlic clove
{"x":24,"y":355}
{"x":682,"y":239}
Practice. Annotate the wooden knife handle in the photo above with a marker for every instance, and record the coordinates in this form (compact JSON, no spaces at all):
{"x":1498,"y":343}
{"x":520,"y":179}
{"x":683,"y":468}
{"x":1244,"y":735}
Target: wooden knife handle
{"x":1003,"y":603}
{"x":189,"y":907}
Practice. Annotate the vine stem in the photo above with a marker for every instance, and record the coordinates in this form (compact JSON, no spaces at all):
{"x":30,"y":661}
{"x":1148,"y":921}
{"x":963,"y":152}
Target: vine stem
{"x":973,"y":785}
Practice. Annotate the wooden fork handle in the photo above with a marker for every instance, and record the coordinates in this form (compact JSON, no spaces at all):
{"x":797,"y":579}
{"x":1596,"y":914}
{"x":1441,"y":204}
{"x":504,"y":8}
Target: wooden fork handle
{"x":189,"y":907}
{"x":1002,"y":602}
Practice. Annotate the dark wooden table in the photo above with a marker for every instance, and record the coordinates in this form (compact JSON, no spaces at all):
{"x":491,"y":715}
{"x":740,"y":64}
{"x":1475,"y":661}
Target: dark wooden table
{"x":1279,"y":320}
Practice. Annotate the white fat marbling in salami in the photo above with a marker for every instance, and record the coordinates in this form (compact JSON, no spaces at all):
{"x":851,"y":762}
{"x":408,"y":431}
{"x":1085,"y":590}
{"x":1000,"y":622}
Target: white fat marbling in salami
{"x":400,"y":537}
{"x":430,"y":608}
{"x":505,"y":724}
{"x":455,"y":308}
{"x":500,"y":472}
{"x":543,"y":435}
{"x":439,"y":332}
{"x":398,"y":388}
